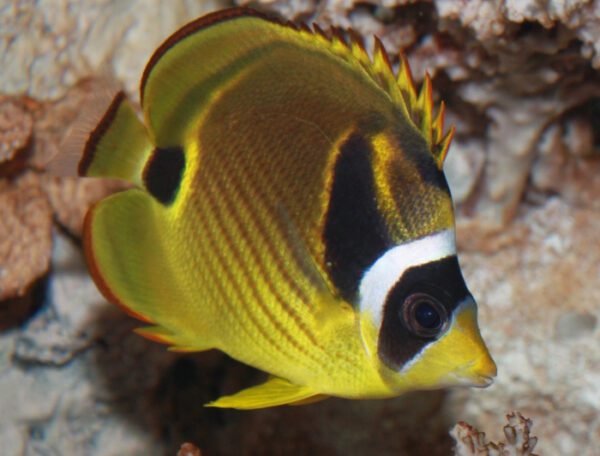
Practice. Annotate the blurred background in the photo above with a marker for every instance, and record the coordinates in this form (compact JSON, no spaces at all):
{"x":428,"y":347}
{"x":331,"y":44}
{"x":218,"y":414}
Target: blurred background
{"x":521,"y":83}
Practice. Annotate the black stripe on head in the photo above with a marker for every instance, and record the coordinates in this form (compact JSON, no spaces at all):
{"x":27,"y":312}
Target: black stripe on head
{"x":441,"y":280}
{"x":163,"y":172}
{"x":355,"y":234}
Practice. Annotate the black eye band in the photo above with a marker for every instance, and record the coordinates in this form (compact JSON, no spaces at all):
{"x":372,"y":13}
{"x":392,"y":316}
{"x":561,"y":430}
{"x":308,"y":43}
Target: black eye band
{"x":418,"y":309}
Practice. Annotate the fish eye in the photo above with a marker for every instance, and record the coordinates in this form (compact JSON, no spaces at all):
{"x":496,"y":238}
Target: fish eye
{"x":424,"y":315}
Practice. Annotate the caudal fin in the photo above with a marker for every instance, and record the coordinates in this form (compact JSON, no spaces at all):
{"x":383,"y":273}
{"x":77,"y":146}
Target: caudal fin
{"x":107,"y":140}
{"x":119,"y":145}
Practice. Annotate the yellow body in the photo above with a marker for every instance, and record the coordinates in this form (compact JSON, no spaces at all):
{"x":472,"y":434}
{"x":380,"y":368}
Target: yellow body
{"x":237,"y":260}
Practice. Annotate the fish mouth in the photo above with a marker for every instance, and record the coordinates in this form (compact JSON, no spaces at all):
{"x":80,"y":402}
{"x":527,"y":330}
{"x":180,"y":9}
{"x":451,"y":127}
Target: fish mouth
{"x":481,"y":381}
{"x":475,"y":381}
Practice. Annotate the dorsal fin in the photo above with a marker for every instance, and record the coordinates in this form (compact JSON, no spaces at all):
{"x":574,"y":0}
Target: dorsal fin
{"x":185,"y":51}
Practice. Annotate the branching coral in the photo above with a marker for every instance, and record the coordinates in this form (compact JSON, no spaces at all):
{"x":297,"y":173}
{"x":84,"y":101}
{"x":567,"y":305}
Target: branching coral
{"x":519,"y":442}
{"x":189,"y":449}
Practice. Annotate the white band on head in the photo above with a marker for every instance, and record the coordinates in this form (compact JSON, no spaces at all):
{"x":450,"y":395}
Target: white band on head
{"x":379,"y":279}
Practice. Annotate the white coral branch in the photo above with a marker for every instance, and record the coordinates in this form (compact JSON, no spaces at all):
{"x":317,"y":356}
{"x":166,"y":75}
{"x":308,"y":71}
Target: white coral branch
{"x":471,"y":442}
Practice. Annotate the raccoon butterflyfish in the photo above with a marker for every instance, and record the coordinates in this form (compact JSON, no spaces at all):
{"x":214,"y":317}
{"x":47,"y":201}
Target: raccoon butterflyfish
{"x":289,"y":209}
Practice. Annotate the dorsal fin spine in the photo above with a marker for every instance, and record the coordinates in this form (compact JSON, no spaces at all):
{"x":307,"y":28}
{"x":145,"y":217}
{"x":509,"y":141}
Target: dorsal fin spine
{"x":318,"y":31}
{"x":400,"y":89}
{"x":425,"y":106}
{"x":438,"y":124}
{"x":443,"y":146}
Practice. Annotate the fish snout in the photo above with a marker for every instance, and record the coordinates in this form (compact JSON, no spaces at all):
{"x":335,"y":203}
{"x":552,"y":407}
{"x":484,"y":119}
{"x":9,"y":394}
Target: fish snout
{"x":481,"y":372}
{"x":480,"y":369}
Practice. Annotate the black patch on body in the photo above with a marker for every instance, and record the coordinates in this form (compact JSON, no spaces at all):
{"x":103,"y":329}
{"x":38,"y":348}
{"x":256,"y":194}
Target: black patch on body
{"x":355,"y":234}
{"x":163,"y":172}
{"x":441,"y":279}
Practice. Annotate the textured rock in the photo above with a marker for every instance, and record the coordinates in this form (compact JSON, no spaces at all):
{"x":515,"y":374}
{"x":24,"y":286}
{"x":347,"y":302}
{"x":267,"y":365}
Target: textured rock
{"x":53,"y":372}
{"x":16,"y":125}
{"x":25,"y":235}
{"x":45,"y":49}
{"x":71,"y":198}
{"x":31,"y":134}
{"x":538,"y":296}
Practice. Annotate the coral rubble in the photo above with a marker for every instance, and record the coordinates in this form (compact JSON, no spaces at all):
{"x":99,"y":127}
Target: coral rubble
{"x":31,"y":133}
{"x":519,"y":442}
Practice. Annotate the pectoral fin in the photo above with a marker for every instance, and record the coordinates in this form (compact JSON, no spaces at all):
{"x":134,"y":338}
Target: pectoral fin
{"x":275,"y":391}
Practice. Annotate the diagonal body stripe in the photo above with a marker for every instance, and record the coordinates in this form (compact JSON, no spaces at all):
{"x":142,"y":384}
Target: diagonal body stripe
{"x":226,"y":213}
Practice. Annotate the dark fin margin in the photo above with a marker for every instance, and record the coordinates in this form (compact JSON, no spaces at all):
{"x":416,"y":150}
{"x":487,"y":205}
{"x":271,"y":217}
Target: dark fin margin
{"x":95,"y":271}
{"x":197,"y":25}
{"x":96,"y":135}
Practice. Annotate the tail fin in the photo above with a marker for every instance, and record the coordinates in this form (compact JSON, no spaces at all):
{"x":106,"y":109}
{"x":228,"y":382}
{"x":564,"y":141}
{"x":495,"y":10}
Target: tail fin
{"x":119,"y":145}
{"x":114,"y":141}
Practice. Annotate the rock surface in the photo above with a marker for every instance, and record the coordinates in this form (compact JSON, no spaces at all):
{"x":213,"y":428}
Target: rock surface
{"x":521,"y":83}
{"x":25,"y":234}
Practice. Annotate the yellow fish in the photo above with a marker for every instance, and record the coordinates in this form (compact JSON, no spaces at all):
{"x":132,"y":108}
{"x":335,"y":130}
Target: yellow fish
{"x":290,"y":210}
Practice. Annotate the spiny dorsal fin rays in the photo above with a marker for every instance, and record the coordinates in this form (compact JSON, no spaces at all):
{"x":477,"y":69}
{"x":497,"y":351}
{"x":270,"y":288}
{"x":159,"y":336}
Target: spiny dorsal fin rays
{"x":438,"y":124}
{"x":443,"y":146}
{"x":158,"y":75}
{"x":407,"y":86}
{"x":383,"y":69}
{"x":425,"y":108}
{"x":421,"y":112}
{"x":441,"y":141}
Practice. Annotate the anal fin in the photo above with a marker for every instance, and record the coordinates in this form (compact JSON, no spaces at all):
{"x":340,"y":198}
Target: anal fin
{"x":275,"y":391}
{"x":311,"y":400}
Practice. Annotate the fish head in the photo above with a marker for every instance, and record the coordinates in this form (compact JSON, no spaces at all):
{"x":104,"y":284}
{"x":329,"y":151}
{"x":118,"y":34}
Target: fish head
{"x":419,"y":320}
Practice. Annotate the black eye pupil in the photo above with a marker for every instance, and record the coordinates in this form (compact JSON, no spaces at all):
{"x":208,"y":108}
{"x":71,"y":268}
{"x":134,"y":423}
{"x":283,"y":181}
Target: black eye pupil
{"x":424,"y":315}
{"x":427,"y":315}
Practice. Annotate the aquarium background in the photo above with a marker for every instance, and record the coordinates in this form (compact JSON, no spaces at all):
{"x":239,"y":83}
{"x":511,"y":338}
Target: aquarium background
{"x":521,"y":83}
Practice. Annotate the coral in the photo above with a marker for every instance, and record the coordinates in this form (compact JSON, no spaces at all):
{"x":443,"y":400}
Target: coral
{"x":188,"y":449}
{"x":535,"y":283}
{"x":31,"y":133}
{"x":471,"y":442}
{"x":44,"y":51}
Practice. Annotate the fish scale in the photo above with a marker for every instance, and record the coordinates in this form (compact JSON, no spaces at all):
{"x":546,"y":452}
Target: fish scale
{"x":248,"y":252}
{"x":245,"y":254}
